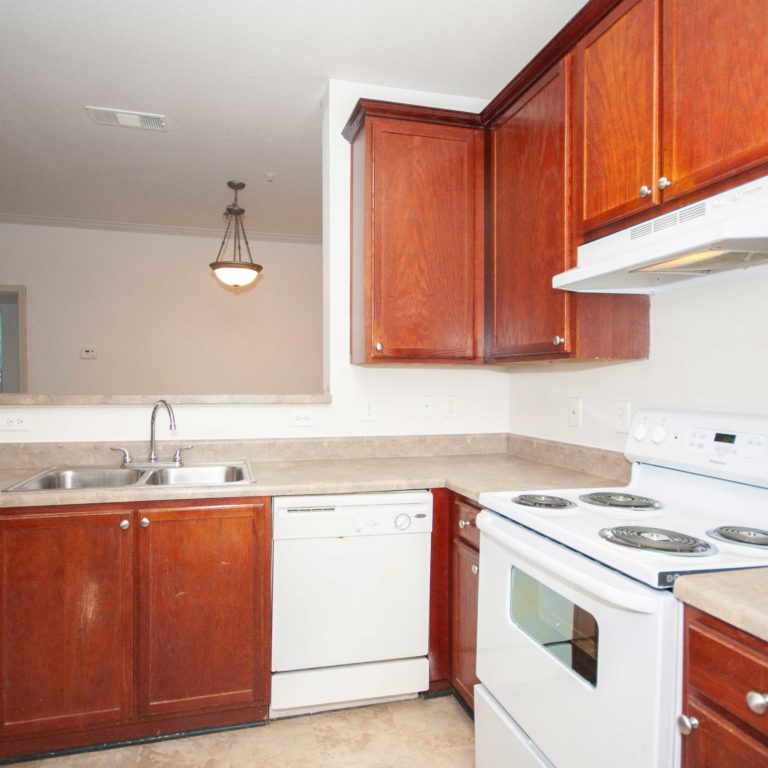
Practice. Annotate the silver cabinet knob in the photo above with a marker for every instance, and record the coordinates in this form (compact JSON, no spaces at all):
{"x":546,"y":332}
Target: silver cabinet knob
{"x":475,"y":569}
{"x":757,"y":702}
{"x":465,"y":523}
{"x":379,"y":346}
{"x":558,"y":340}
{"x":645,"y":190}
{"x":125,"y":524}
{"x":664,"y":182}
{"x":687,"y":725}
{"x":144,"y":522}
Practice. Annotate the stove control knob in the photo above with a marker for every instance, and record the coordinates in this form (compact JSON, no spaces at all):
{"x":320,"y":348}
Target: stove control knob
{"x":641,"y":432}
{"x":659,"y":434}
{"x":403,"y":522}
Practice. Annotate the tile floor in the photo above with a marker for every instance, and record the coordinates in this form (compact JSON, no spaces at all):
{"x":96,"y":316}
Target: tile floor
{"x":424,"y":733}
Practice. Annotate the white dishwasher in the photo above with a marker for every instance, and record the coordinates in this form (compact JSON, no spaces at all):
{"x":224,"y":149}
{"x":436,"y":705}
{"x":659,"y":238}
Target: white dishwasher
{"x":350,"y":598}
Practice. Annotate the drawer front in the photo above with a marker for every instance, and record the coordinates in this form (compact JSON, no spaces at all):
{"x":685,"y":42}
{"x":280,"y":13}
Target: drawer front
{"x":725,"y":671}
{"x":463,"y":524}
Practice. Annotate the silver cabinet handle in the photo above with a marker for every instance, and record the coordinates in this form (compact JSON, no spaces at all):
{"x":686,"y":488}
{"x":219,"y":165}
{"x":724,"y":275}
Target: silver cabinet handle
{"x":687,"y":725}
{"x":475,"y":569}
{"x":664,"y":182}
{"x":144,"y":522}
{"x":558,"y":340}
{"x":757,"y":702}
{"x":465,"y":523}
{"x":645,"y":190}
{"x":125,"y":524}
{"x":379,"y":346}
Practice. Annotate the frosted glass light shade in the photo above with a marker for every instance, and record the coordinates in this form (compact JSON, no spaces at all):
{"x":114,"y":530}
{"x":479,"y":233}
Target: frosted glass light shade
{"x":236,"y":274}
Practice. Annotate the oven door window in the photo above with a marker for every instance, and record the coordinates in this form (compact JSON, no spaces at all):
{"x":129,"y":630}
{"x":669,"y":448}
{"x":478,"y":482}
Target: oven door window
{"x":561,"y":627}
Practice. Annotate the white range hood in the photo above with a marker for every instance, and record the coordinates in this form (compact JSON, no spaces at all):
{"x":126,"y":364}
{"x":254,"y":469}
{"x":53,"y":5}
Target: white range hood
{"x":721,"y":235}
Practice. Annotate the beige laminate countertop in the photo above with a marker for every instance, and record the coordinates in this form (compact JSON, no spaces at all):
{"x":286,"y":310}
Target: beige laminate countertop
{"x":735,"y":597}
{"x":468,"y":475}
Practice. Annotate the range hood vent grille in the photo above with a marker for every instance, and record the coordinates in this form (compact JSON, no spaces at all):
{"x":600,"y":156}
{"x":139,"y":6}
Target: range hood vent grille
{"x":122,"y":118}
{"x":668,"y":221}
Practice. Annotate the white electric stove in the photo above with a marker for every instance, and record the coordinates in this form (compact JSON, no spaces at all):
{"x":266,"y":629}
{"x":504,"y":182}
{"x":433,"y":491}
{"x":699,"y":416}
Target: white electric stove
{"x":575,"y":602}
{"x":697,"y":501}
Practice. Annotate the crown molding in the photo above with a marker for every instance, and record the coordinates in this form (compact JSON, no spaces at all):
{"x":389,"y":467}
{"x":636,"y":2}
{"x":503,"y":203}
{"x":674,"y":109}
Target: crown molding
{"x":153,"y":229}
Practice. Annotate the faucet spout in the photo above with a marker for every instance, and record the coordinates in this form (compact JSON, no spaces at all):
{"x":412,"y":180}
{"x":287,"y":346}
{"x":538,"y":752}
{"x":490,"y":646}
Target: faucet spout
{"x":172,"y":423}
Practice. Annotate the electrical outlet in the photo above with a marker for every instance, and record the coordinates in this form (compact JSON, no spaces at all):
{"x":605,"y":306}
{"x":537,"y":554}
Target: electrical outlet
{"x":426,"y":406}
{"x":88,"y":353}
{"x":450,"y":407}
{"x":574,"y":411}
{"x":622,"y":416}
{"x":302,"y":419}
{"x":369,"y":410}
{"x":17,"y":422}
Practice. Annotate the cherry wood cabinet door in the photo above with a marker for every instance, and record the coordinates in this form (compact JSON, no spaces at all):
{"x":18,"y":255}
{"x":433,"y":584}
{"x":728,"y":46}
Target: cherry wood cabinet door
{"x":464,"y":607}
{"x":616,"y":70}
{"x":530,"y":224}
{"x":718,"y":743}
{"x":425,"y":240}
{"x":66,"y":645}
{"x":715,"y":105}
{"x":203,"y":580}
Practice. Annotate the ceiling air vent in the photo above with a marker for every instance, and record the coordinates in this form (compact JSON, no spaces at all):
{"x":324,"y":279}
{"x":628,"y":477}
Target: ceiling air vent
{"x":123,"y":118}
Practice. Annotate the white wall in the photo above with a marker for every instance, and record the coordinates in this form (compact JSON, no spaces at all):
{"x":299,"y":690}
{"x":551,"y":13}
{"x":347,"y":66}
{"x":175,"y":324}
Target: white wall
{"x":482,"y":395}
{"x":708,"y":352}
{"x":156,"y":316}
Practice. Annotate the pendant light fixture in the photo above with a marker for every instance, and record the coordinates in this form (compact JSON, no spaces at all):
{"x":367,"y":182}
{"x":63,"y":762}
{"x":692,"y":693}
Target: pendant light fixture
{"x":236,"y":272}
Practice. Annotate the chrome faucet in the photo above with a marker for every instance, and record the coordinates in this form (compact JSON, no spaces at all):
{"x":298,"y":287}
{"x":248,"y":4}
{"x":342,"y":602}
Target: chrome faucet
{"x":172,"y":418}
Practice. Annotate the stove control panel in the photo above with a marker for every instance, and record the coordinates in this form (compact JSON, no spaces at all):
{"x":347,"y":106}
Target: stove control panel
{"x":729,"y":446}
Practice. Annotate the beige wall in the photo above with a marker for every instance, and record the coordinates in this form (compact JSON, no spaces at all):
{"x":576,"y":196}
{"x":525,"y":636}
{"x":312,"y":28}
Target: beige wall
{"x":708,"y":353}
{"x":157,"y":317}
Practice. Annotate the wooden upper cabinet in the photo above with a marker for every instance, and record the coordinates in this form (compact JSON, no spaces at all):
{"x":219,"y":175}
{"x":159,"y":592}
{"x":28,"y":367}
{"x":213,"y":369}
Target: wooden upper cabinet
{"x":203,"y":583}
{"x":715,"y":106}
{"x":417,"y":241}
{"x":66,"y":621}
{"x":531,"y":241}
{"x":617,"y":116}
{"x":530,"y":238}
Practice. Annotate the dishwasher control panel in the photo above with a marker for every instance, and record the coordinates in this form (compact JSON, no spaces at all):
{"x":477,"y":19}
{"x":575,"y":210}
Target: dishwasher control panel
{"x":352,"y":514}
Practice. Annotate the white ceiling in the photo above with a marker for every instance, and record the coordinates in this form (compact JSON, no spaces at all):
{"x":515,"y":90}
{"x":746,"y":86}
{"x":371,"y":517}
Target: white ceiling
{"x":241,"y":82}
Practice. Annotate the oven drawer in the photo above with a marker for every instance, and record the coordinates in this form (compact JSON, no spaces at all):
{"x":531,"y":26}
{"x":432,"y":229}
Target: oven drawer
{"x":499,"y":741}
{"x":726,"y":670}
{"x":463,"y":522}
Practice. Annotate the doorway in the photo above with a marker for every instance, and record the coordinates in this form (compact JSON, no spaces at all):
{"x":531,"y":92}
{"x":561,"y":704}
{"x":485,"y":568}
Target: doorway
{"x":13,"y":352}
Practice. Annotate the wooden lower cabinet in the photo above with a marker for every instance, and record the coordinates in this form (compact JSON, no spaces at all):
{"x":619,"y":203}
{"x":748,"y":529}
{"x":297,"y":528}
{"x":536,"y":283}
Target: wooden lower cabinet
{"x":67,"y":621}
{"x":464,"y":582}
{"x":128,"y":621}
{"x":722,"y":665}
{"x":202,"y":603}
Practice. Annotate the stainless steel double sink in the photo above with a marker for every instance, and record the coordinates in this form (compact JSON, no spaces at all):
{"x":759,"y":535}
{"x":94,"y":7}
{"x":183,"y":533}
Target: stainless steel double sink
{"x":81,"y":478}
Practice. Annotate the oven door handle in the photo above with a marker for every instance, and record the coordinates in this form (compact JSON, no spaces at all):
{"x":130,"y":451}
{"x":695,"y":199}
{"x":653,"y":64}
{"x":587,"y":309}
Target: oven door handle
{"x":492,"y":526}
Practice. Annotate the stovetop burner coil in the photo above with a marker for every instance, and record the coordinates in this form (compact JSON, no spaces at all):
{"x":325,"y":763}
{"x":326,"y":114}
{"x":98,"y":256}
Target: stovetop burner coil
{"x":542,"y":501}
{"x":621,"y":500}
{"x":657,"y":540}
{"x":739,"y":534}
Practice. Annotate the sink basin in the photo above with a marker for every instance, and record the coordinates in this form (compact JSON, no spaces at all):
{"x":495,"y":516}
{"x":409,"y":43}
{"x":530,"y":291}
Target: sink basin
{"x":63,"y":478}
{"x":79,"y":478}
{"x":199,"y":474}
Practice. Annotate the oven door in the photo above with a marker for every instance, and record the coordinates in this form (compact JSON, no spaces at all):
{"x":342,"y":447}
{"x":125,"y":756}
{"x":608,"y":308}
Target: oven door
{"x":584,"y":660}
